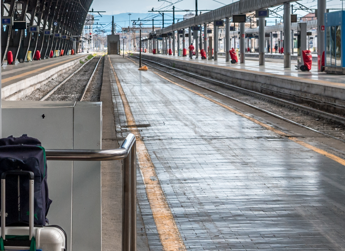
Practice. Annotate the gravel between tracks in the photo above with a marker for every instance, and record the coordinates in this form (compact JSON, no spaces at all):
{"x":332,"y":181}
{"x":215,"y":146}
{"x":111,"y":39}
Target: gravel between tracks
{"x":93,"y":93}
{"x":325,"y":126}
{"x":74,"y":87}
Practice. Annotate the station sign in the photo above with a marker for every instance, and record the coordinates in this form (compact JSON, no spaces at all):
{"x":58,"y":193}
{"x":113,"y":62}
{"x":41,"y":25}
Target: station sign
{"x":219,"y":23}
{"x":262,"y":13}
{"x":57,"y":35}
{"x":47,"y":32}
{"x":19,"y":25}
{"x":170,"y":34}
{"x":232,"y":28}
{"x":249,"y":35}
{"x":64,"y":36}
{"x":275,"y":35}
{"x":34,"y":29}
{"x":209,"y":31}
{"x":196,"y":28}
{"x":180,"y":32}
{"x":7,"y":20}
{"x":164,"y":35}
{"x":239,"y":18}
{"x":294,"y":18}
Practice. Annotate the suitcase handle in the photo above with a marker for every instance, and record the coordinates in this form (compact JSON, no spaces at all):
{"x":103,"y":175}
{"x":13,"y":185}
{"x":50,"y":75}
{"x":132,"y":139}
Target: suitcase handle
{"x":31,"y":200}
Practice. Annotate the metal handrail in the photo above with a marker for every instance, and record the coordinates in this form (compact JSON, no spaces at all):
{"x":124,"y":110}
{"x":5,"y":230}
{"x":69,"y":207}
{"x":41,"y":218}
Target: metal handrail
{"x":127,"y":152}
{"x":93,"y":155}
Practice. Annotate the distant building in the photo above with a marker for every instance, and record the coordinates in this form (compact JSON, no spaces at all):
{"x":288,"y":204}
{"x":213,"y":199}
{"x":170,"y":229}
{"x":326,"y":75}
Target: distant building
{"x":309,"y":17}
{"x":131,"y":35}
{"x":87,"y":38}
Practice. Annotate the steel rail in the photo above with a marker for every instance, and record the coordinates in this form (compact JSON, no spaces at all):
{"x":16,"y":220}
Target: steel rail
{"x":90,"y":80}
{"x":245,"y":91}
{"x":93,"y":155}
{"x":317,"y":112}
{"x":63,"y":82}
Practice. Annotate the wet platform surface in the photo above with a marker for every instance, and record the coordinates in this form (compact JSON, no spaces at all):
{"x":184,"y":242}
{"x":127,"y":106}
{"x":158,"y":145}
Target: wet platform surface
{"x":230,"y":183}
{"x":272,"y":66}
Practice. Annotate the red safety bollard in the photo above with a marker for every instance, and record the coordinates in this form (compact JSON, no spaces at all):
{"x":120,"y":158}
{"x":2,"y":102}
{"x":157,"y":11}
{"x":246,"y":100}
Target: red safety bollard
{"x":62,"y":52}
{"x":234,"y":58}
{"x":37,"y":55}
{"x":184,"y":52}
{"x":170,"y":52}
{"x":282,"y":50}
{"x":308,"y":60}
{"x":72,"y":52}
{"x":51,"y":54}
{"x":203,"y":54}
{"x":9,"y":57}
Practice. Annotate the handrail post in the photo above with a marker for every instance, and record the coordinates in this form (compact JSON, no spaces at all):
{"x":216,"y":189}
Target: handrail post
{"x":126,"y":205}
{"x":133,"y":199}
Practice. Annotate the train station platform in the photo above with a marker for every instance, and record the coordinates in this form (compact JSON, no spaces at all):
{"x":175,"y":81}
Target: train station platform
{"x":219,"y":176}
{"x":320,"y":90}
{"x":21,"y":76}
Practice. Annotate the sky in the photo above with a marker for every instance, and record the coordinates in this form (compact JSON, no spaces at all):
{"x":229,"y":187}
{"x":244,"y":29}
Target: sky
{"x":140,"y":8}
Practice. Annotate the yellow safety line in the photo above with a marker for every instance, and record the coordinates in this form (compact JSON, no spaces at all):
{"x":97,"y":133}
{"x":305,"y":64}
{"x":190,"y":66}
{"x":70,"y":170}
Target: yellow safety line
{"x":34,"y":71}
{"x":166,"y":226}
{"x":313,"y":148}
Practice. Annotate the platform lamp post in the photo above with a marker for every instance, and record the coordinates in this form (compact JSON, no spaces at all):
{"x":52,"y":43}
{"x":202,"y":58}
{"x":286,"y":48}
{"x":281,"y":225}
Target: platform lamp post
{"x":196,"y":7}
{"x":140,"y":47}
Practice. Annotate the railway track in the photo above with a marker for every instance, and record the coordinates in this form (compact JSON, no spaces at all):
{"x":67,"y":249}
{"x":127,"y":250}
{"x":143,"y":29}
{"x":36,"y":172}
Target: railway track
{"x":75,"y":86}
{"x":281,"y":102}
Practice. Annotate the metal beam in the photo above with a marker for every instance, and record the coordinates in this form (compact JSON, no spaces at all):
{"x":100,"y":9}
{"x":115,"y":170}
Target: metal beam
{"x":279,"y":27}
{"x":287,"y":38}
{"x":240,"y":7}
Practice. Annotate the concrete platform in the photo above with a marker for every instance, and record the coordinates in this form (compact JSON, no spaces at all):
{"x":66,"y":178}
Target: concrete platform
{"x":20,"y":76}
{"x":230,"y":182}
{"x":320,"y":90}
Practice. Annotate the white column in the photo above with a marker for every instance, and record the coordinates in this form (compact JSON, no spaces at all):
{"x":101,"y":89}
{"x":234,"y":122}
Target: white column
{"x":190,"y":41}
{"x":215,"y":41}
{"x":287,"y":35}
{"x":196,"y":43}
{"x":173,"y":43}
{"x":321,"y":10}
{"x":227,"y":39}
{"x":242,"y":42}
{"x":261,"y":41}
